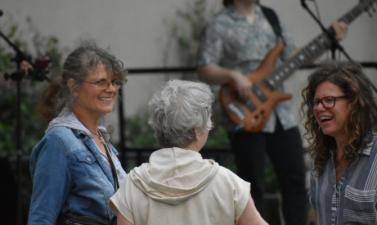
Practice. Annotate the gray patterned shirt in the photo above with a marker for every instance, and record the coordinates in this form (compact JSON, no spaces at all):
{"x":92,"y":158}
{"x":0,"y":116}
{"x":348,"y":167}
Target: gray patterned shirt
{"x":353,"y":199}
{"x":234,"y":43}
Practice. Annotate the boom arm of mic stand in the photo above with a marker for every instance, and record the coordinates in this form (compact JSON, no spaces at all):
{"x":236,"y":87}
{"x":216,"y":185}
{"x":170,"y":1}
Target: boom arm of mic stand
{"x":20,"y":56}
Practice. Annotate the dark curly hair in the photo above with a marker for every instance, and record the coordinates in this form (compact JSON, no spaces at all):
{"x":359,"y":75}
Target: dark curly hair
{"x":362,"y":119}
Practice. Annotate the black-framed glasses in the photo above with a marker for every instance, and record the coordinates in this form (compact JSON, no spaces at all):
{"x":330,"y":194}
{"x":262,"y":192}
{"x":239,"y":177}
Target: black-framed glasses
{"x":104,"y":83}
{"x":327,"y":102}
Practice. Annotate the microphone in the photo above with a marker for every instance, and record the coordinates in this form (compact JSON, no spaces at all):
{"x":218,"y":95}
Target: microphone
{"x":36,"y":70}
{"x":33,"y":71}
{"x":40,"y":68}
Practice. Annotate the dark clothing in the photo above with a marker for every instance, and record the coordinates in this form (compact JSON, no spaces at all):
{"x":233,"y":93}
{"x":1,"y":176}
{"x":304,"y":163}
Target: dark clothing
{"x":284,"y":148}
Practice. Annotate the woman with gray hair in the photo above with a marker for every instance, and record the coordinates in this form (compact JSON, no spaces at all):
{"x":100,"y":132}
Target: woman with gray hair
{"x":178,"y":186}
{"x":74,"y":168}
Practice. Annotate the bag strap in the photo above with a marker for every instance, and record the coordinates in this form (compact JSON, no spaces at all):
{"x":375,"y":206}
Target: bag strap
{"x":108,"y":154}
{"x":273,"y":19}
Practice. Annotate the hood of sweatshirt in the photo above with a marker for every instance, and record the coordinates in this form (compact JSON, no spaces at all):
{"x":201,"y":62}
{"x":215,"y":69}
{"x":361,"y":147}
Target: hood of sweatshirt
{"x":66,"y":118}
{"x":173,"y":175}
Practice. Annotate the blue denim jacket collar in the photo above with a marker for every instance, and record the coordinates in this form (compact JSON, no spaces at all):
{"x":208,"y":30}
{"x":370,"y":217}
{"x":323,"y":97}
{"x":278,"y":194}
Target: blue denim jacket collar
{"x":90,"y":144}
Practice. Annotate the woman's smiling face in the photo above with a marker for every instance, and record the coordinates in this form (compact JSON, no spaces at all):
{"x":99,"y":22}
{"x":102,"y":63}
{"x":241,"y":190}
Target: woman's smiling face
{"x":91,"y":98}
{"x":331,"y":109}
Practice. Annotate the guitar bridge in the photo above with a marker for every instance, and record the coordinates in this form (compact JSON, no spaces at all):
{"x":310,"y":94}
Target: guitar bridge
{"x":259,"y":93}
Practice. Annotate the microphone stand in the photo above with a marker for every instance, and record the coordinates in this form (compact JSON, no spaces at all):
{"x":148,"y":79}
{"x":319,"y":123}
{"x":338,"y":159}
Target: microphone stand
{"x":18,"y":76}
{"x":330,"y":33}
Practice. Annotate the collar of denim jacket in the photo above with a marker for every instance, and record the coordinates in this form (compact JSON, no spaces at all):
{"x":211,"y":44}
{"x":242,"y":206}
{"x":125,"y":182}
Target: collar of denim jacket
{"x":67,"y":118}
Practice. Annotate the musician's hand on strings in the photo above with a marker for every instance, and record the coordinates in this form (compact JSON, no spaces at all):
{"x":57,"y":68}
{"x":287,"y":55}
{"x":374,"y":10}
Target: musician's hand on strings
{"x":242,"y":83}
{"x":340,"y":29}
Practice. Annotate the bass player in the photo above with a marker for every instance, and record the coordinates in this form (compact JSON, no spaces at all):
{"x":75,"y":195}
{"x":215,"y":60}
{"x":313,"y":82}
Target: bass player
{"x":234,"y":43}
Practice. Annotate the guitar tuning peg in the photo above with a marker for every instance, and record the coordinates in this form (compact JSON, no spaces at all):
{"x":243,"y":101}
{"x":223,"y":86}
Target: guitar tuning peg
{"x":371,"y":10}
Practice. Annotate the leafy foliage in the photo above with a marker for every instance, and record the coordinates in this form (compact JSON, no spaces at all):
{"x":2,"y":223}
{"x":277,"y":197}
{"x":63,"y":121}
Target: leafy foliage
{"x":140,"y":135}
{"x":184,"y":32}
{"x":32,"y":126}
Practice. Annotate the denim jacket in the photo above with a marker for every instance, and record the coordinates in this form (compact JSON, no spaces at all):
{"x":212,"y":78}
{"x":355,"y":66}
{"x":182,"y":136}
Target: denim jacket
{"x":70,"y":174}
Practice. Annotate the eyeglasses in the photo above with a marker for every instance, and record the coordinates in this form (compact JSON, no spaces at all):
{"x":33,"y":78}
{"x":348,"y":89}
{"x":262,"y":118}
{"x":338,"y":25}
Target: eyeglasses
{"x":103,"y":83}
{"x":327,"y":102}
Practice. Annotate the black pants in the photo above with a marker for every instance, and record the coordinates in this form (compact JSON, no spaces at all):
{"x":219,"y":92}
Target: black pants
{"x":285,"y":151}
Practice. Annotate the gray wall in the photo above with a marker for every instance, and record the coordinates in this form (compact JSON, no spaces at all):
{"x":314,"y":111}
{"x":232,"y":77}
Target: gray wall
{"x":134,"y":30}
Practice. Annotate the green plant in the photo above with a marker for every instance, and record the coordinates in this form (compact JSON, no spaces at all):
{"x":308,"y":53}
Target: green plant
{"x":140,"y":135}
{"x":35,"y":46}
{"x":184,"y":33}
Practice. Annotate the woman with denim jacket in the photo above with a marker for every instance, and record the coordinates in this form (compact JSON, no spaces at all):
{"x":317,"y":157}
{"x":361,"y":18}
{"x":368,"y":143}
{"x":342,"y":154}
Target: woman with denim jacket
{"x":74,"y":169}
{"x":341,"y":123}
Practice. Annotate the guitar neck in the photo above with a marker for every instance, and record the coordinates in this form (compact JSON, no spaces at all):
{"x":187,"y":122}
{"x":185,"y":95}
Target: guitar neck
{"x":356,"y":11}
{"x":313,"y":50}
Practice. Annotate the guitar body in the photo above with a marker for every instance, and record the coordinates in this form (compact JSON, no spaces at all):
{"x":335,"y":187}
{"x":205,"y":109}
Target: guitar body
{"x":253,"y":112}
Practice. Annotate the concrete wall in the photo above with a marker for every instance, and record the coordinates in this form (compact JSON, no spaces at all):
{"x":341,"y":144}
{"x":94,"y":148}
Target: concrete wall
{"x":135,"y":31}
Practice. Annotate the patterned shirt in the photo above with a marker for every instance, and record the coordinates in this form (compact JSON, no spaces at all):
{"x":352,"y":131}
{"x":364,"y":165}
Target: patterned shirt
{"x":234,"y":43}
{"x":353,"y":199}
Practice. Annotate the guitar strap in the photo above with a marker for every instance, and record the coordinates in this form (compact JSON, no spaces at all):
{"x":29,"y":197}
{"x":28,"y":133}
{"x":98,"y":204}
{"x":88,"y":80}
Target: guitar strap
{"x":273,"y":19}
{"x":108,"y":154}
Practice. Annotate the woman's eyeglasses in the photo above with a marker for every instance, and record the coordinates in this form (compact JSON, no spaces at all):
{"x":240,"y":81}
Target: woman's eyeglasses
{"x":104,"y":84}
{"x":327,"y":102}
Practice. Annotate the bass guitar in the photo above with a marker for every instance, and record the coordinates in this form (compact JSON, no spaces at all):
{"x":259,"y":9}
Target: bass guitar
{"x":252,"y":112}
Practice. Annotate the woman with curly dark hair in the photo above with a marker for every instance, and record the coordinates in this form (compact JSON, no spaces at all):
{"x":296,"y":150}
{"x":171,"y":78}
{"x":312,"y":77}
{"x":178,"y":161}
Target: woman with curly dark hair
{"x":341,"y":125}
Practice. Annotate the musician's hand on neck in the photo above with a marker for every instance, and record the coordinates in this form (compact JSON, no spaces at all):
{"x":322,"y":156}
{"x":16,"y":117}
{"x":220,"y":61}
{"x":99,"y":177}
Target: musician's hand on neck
{"x":341,"y":29}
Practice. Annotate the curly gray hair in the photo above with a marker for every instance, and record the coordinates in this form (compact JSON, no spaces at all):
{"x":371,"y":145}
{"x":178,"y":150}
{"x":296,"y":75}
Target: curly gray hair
{"x":177,"y":109}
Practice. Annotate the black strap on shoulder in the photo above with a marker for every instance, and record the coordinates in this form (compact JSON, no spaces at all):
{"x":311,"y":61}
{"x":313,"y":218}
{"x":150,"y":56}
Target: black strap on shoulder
{"x":273,"y":19}
{"x":108,"y":154}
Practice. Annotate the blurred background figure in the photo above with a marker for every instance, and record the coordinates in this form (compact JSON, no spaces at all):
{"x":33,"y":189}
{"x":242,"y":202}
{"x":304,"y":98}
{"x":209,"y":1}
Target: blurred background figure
{"x":341,"y":125}
{"x":234,"y":46}
{"x":74,"y":168}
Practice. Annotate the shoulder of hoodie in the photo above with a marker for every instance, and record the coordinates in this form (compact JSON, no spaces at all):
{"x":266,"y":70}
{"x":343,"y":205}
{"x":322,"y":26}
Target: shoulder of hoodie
{"x":226,"y":175}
